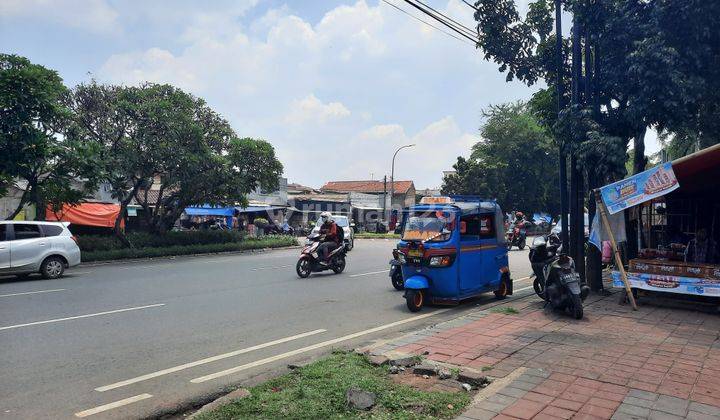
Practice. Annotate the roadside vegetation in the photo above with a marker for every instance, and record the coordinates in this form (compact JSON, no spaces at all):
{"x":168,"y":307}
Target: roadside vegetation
{"x":317,"y":391}
{"x":370,"y":235}
{"x":104,"y":248}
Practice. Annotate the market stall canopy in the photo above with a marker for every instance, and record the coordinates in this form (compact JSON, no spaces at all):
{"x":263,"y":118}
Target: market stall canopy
{"x":693,"y":173}
{"x":210,"y":211}
{"x":699,"y":171}
{"x":86,"y":214}
{"x":253,"y":209}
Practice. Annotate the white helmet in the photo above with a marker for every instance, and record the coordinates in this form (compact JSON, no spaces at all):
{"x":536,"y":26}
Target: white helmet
{"x":325,"y":216}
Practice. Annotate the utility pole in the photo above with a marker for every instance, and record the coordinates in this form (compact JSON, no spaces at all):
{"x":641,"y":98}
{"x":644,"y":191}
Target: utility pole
{"x":577,"y":190}
{"x":560,"y":88}
{"x":384,"y":197}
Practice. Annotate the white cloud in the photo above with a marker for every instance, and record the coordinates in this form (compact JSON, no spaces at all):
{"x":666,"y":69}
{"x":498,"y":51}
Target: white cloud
{"x":312,"y":110}
{"x":92,"y":15}
{"x":295,"y":83}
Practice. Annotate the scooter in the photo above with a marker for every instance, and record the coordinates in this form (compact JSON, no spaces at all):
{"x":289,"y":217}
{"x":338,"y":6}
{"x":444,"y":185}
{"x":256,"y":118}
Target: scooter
{"x":310,"y":261}
{"x":557,"y":282}
{"x":516,"y":236}
{"x":396,"y":277}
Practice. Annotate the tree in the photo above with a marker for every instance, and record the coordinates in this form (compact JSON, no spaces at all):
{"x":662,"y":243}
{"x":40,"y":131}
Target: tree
{"x":158,"y":132}
{"x":36,"y":144}
{"x":515,"y":162}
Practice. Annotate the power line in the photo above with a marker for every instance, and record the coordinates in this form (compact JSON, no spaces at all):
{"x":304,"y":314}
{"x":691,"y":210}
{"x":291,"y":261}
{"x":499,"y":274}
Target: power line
{"x":471,"y":6}
{"x":426,"y":23}
{"x":457,"y":24}
{"x":443,"y":21}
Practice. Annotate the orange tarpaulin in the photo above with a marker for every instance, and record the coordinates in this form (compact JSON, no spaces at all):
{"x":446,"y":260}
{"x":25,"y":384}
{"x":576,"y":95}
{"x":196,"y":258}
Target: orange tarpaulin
{"x":86,"y":214}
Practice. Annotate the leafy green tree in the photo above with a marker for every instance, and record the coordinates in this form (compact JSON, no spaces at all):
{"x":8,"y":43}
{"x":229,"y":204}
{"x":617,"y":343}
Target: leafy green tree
{"x":158,"y":132}
{"x":515,"y":162}
{"x":37,"y":150}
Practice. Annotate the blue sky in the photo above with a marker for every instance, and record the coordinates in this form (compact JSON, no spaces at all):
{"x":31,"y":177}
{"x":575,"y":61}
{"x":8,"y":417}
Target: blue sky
{"x":334,"y":85}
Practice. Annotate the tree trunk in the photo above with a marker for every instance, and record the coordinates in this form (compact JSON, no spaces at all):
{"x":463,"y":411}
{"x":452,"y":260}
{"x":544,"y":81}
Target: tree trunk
{"x":639,"y":159}
{"x":121,"y":215}
{"x":23,"y":201}
{"x":40,"y":206}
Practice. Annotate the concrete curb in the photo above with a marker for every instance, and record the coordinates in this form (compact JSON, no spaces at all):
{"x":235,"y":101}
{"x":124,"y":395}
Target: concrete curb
{"x":225,"y":399}
{"x":174,"y":257}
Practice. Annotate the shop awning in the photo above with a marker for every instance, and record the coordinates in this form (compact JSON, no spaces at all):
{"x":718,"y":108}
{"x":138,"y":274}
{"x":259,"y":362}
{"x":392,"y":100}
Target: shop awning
{"x":86,"y":214}
{"x":253,"y":209}
{"x":210,"y":211}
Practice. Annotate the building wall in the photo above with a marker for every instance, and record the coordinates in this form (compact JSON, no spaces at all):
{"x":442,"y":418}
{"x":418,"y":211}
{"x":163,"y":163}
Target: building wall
{"x":275,"y":198}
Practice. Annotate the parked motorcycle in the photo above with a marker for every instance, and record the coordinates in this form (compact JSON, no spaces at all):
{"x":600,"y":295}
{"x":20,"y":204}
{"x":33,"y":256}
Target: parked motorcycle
{"x":310,"y":261}
{"x":396,"y":276}
{"x":556,"y":280}
{"x":516,"y":235}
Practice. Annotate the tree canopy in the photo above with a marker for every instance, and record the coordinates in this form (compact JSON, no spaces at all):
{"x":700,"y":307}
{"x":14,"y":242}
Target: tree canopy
{"x":38,"y":153}
{"x":515,"y":162}
{"x":152,"y":133}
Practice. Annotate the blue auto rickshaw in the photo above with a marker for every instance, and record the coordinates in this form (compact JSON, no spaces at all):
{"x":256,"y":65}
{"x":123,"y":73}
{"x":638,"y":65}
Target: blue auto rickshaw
{"x":453,"y":248}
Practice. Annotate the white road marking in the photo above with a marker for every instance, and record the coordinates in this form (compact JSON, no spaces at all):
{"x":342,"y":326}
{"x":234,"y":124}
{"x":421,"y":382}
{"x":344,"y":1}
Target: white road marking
{"x":49,"y":321}
{"x":312,"y":347}
{"x":271,"y":268}
{"x":32,"y":293}
{"x":370,"y":273}
{"x":204,"y":361}
{"x":112,"y":405}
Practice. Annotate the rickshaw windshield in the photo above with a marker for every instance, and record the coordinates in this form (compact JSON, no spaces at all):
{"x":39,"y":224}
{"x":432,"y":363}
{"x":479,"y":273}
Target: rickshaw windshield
{"x":431,"y":226}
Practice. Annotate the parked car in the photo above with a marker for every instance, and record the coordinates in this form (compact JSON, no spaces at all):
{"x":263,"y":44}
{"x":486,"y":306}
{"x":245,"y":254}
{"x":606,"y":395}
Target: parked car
{"x":344,"y":223}
{"x":47,"y":248}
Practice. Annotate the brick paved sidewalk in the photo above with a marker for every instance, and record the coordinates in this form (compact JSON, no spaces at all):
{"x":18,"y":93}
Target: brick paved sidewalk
{"x":656,"y":363}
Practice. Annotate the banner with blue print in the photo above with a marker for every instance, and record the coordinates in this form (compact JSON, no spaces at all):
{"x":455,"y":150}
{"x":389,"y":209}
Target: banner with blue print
{"x":645,"y":186}
{"x":672,"y":284}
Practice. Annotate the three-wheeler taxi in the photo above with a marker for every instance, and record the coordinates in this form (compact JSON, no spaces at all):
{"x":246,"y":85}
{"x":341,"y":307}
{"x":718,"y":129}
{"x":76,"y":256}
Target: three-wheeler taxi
{"x":453,"y":248}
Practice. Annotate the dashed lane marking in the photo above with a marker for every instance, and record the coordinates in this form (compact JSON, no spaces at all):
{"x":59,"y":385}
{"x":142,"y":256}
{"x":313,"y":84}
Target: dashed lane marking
{"x":206,"y":360}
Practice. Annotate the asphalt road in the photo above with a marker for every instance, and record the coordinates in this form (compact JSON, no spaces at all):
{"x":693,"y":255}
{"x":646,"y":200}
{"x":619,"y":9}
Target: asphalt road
{"x":138,"y":339}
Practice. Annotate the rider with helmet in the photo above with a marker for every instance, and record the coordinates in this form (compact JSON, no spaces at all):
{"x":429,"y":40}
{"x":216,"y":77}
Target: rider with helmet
{"x":330,"y":230}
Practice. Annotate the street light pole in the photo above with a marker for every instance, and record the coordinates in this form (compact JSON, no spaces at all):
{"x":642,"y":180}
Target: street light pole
{"x":392,"y":173}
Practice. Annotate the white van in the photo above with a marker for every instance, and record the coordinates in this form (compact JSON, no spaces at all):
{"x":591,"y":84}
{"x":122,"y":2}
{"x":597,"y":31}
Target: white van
{"x":47,"y":248}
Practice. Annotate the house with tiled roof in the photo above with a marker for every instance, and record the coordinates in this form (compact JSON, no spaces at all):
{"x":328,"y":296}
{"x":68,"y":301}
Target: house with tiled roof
{"x":403,"y":191}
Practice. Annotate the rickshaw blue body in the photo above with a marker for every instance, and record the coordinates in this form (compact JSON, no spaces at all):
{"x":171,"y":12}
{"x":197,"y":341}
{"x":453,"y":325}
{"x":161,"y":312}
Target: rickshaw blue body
{"x":478,"y":262}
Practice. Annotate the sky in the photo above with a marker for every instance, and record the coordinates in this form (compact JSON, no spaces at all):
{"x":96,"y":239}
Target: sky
{"x":335,"y":86}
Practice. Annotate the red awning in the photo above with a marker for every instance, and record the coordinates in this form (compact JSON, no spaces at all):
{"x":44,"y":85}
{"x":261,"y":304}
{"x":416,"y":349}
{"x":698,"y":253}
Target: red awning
{"x":699,"y":171}
{"x":86,"y":214}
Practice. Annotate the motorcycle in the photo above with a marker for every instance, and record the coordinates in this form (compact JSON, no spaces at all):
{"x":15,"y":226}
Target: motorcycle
{"x":396,"y":277}
{"x":310,"y":262}
{"x":556,"y":280}
{"x":516,"y":236}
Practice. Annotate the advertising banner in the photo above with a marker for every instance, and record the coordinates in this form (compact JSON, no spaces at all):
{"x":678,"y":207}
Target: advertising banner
{"x":672,"y":284}
{"x":639,"y":188}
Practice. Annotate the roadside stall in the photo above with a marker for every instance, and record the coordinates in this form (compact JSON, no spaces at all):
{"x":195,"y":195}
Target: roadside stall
{"x":87,"y":218}
{"x":675,"y":210}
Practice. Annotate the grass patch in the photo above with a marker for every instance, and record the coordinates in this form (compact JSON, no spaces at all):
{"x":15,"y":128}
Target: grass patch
{"x":370,"y":235}
{"x":317,"y":391}
{"x":154,"y":252}
{"x":507,"y":310}
{"x":486,"y":368}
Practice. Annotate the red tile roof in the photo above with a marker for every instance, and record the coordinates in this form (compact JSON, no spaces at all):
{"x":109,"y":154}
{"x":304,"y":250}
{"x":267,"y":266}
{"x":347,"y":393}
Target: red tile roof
{"x":400,"y":187}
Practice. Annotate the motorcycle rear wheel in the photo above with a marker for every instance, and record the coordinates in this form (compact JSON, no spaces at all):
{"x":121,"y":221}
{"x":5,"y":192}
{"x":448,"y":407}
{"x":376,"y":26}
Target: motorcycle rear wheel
{"x":338,"y":265}
{"x":302,"y":268}
{"x":577,"y":307}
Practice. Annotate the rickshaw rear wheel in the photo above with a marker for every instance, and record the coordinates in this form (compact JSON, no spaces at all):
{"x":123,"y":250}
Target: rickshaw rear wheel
{"x":414,"y":299}
{"x":502,"y":291}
